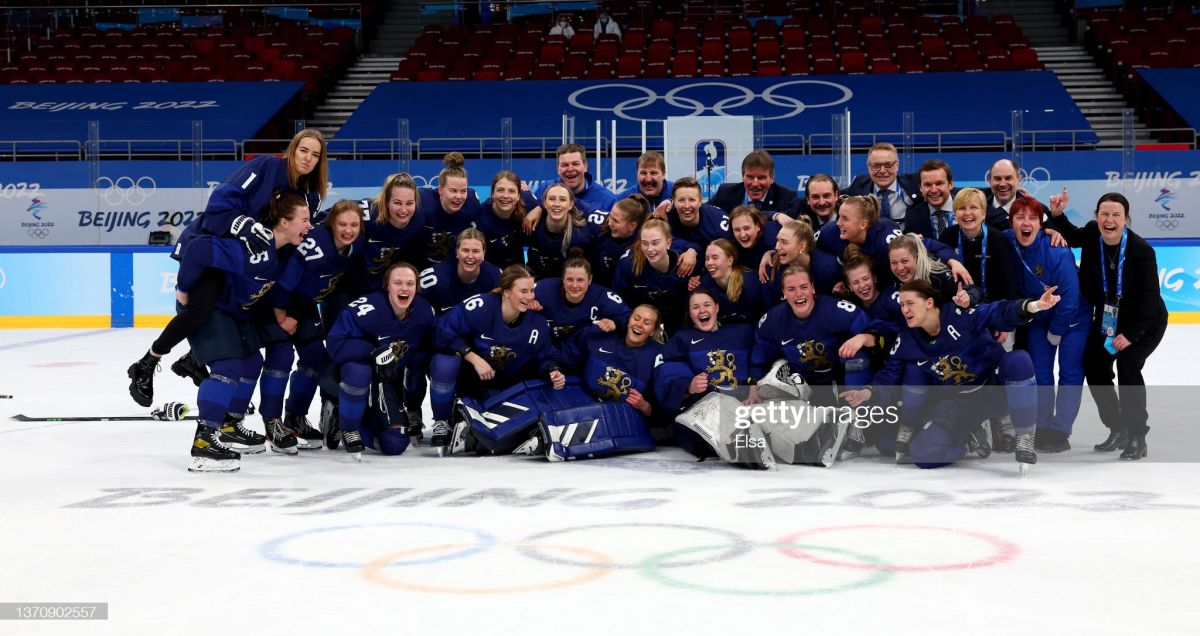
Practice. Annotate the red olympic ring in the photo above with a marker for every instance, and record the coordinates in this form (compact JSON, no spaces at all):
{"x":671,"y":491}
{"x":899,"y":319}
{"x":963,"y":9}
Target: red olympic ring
{"x":1003,"y":550}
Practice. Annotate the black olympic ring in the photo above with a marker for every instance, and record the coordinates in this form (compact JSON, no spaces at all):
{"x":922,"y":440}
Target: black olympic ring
{"x":738,"y":545}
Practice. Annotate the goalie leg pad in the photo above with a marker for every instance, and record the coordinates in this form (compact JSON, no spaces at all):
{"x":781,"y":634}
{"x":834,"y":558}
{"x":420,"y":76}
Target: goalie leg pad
{"x":596,"y":429}
{"x":502,"y":421}
{"x":807,"y":434}
{"x":715,"y":419}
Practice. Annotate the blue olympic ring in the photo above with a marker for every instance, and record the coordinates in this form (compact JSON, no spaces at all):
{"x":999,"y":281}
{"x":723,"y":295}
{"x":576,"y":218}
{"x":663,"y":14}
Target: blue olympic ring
{"x":273,"y":549}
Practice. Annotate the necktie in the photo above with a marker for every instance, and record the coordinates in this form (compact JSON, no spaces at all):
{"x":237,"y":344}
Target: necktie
{"x":941,"y":222}
{"x":885,"y":204}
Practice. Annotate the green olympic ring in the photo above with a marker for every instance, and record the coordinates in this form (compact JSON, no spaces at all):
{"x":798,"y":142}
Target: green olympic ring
{"x":652,"y":568}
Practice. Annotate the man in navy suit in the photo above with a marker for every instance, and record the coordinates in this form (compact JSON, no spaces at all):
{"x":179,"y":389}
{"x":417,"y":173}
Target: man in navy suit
{"x":819,"y":202}
{"x":1005,"y":180}
{"x":935,"y":212}
{"x":757,"y":189}
{"x":896,"y":192}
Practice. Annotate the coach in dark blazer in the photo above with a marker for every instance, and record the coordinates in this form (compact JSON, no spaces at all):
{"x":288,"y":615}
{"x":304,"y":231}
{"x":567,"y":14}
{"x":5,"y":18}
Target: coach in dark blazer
{"x":937,"y":196}
{"x":758,"y":179}
{"x":896,"y":192}
{"x":1141,"y":316}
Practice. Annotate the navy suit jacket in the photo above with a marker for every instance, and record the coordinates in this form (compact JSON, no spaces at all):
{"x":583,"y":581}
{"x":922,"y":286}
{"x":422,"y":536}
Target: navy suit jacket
{"x":919,"y":219}
{"x":910,"y":183}
{"x":996,"y":216}
{"x":779,"y":198}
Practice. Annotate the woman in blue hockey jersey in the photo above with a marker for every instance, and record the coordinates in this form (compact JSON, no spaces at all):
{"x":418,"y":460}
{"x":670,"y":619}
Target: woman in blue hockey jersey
{"x":947,"y":367}
{"x":742,"y":298}
{"x":448,"y":209}
{"x":502,"y":218}
{"x":650,"y":275}
{"x":707,"y":356}
{"x":227,"y":341}
{"x":755,"y":235}
{"x":617,"y":369}
{"x":795,"y":244}
{"x":394,"y":225}
{"x":247,"y":193}
{"x":1063,"y":331}
{"x":565,"y":232}
{"x":446,"y":284}
{"x":620,"y":232}
{"x":374,"y":342}
{"x":573,"y":302}
{"x":501,"y":341}
{"x":693,"y":221}
{"x":292,"y":321}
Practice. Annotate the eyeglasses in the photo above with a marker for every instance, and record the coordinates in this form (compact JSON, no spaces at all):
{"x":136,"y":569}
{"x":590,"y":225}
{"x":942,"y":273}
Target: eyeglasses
{"x":883,"y":165}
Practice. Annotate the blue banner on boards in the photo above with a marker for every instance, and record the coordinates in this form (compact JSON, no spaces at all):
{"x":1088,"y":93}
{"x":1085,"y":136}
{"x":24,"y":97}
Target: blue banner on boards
{"x":229,"y":111}
{"x":971,"y":108}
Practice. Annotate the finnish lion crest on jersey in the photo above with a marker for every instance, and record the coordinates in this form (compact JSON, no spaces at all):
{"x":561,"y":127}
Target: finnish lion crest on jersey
{"x":721,"y":369}
{"x":616,"y":383}
{"x":952,"y":370}
{"x":400,"y":349}
{"x":500,"y":356}
{"x":380,"y":263}
{"x":258,"y":294}
{"x":813,"y":355}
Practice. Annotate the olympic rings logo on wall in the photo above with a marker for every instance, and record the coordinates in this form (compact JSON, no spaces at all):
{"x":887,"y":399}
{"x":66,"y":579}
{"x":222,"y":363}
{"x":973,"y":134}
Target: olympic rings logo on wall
{"x":38,"y":232}
{"x":693,"y":106}
{"x":126,"y":190}
{"x":1167,"y":224}
{"x":580,"y":551}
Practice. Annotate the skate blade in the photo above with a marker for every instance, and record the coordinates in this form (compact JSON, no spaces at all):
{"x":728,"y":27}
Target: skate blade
{"x":1023,"y":469}
{"x":357,"y":457}
{"x":310,"y":444}
{"x":206,"y":465}
{"x":830,"y":456}
{"x":248,"y":450}
{"x":284,"y":451}
{"x":443,"y":451}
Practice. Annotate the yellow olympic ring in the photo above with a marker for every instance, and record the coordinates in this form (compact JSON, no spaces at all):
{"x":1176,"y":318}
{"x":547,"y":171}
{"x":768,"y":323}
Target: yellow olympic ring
{"x":375,"y":571}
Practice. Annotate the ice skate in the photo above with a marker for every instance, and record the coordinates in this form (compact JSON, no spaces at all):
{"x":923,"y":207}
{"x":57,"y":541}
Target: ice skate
{"x":904,"y":436}
{"x":235,"y":435}
{"x":209,"y":455}
{"x":1026,"y":453}
{"x":440,"y":436}
{"x":853,"y":444}
{"x":307,"y":437}
{"x":354,"y":444}
{"x":416,"y":426}
{"x":281,"y":439}
{"x":980,"y":441}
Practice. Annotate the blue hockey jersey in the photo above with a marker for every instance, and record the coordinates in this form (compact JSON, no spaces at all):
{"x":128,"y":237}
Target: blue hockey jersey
{"x":565,"y":317}
{"x":443,"y":289}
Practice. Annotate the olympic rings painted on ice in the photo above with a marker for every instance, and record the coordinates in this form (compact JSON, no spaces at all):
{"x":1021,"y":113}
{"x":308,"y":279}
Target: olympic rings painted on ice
{"x":375,"y":572}
{"x":1002,"y":550}
{"x":273,"y":549}
{"x":653,"y":566}
{"x":738,"y":545}
{"x":126,"y":189}
{"x":692,"y":106}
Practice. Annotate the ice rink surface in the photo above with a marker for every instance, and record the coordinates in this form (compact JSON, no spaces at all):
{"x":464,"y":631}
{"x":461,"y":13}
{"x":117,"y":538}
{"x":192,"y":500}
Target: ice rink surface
{"x":651,"y":543}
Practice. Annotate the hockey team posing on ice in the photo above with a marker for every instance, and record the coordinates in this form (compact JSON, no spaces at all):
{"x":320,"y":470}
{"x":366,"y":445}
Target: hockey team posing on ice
{"x":581,"y":323}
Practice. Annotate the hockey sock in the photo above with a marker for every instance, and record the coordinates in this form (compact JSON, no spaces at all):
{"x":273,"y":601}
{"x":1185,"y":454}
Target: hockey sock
{"x":443,"y":373}
{"x":352,"y":395}
{"x":858,"y":370}
{"x":274,"y":379}
{"x":251,"y":366}
{"x":216,"y":392}
{"x":1021,"y":388}
{"x":415,"y":385}
{"x":303,"y":383}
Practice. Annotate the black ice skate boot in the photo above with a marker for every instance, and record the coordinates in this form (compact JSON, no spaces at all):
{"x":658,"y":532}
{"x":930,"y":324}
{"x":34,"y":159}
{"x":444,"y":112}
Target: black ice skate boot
{"x":141,"y":379}
{"x":308,"y":437}
{"x":235,"y":435}
{"x":190,"y":368}
{"x":209,"y":455}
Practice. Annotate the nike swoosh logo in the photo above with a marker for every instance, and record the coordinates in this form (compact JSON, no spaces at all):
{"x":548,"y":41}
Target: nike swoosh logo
{"x":374,"y":240}
{"x":260,"y":279}
{"x":922,"y":363}
{"x":785,"y":342}
{"x":639,"y":287}
{"x":1073,"y":325}
{"x":326,"y":275}
{"x":603,"y":350}
{"x":700,"y":340}
{"x":383,"y":337}
{"x":483,"y":337}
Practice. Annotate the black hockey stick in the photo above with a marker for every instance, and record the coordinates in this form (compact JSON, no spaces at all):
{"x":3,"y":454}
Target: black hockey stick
{"x":170,"y":412}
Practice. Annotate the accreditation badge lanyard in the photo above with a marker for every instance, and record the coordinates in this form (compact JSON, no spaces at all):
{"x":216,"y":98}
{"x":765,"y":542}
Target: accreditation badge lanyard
{"x":982,"y":257}
{"x":1021,"y":254}
{"x":1109,"y":324}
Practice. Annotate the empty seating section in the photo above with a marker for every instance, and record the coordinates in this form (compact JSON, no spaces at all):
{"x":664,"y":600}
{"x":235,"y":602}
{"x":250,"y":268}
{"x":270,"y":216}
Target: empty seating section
{"x":1140,"y":36}
{"x":279,"y":51}
{"x":703,"y":39}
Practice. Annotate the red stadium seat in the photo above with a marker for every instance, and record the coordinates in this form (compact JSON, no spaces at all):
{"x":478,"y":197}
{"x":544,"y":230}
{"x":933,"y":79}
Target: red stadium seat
{"x":712,"y":68}
{"x":1026,"y":59}
{"x":997,"y":61}
{"x":600,"y":71}
{"x":685,"y":65}
{"x":853,"y":62}
{"x":629,"y":66}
